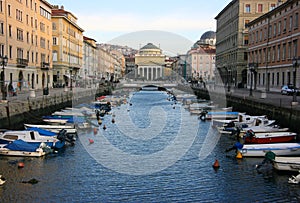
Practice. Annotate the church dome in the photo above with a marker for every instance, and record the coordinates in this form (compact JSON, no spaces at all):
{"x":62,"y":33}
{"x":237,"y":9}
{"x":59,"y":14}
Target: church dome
{"x":208,"y":35}
{"x":149,"y":46}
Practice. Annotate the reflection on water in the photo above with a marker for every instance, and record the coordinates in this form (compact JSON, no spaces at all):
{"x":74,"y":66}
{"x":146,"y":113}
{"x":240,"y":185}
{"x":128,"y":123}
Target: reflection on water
{"x":73,"y":175}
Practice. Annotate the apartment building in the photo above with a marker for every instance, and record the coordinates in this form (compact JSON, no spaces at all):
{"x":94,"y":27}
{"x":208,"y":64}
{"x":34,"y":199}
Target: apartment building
{"x":232,"y":38}
{"x":274,"y":48}
{"x":26,"y":39}
{"x":67,"y":47}
{"x":201,"y":58}
{"x":89,"y":72}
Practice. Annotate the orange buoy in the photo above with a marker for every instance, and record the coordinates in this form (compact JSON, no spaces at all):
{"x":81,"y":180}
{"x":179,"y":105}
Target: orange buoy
{"x":21,"y":165}
{"x":239,"y":155}
{"x":216,"y":164}
{"x":95,"y":131}
{"x":104,"y":127}
{"x":91,"y":141}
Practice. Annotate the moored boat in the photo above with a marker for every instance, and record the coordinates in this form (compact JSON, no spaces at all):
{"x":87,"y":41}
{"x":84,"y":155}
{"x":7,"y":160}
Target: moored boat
{"x":70,"y":129}
{"x":286,"y":163}
{"x":22,"y":148}
{"x":250,"y":137}
{"x":280,"y":149}
{"x":32,"y":137}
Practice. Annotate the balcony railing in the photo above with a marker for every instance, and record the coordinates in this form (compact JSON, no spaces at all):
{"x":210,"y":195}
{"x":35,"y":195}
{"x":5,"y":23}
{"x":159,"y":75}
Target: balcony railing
{"x":22,"y":62}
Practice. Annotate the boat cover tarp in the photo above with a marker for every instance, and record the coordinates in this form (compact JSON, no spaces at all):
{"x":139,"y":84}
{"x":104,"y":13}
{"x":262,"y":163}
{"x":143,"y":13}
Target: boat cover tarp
{"x":20,"y":145}
{"x":42,"y":131}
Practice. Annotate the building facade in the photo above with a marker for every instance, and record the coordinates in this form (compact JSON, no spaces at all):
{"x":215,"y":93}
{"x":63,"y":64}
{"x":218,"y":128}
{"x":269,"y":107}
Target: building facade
{"x":232,"y":38}
{"x":67,"y":47}
{"x":150,"y":62}
{"x":26,"y":39}
{"x":89,"y":73}
{"x":201,"y":58}
{"x":274,"y":47}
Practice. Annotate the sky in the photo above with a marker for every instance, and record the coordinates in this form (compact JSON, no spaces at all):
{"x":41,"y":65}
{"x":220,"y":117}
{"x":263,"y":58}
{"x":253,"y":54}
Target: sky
{"x":117,"y":21}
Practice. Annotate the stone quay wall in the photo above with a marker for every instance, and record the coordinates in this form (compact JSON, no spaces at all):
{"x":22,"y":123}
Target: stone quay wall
{"x":13,"y":114}
{"x":285,"y":116}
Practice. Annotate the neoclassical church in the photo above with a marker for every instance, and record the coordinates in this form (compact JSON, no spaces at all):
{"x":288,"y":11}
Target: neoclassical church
{"x":150,"y":62}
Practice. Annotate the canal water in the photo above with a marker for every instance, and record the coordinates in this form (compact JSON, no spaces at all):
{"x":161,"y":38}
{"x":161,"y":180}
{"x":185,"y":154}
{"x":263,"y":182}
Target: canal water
{"x":155,"y":151}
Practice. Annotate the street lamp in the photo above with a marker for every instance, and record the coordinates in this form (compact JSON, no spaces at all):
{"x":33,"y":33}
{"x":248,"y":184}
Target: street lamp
{"x":4,"y":60}
{"x":71,"y":82}
{"x":85,"y":71}
{"x":252,"y":67}
{"x":295,"y":65}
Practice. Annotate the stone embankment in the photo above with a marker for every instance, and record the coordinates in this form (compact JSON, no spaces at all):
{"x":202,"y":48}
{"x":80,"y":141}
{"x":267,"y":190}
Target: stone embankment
{"x":275,"y":106}
{"x":15,"y":112}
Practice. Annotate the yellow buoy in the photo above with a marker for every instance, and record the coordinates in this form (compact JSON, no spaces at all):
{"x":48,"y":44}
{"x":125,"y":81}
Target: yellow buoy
{"x":239,"y":155}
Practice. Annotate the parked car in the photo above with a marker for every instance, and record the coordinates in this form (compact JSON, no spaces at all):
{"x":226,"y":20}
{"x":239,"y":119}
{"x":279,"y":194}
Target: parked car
{"x":289,"y":90}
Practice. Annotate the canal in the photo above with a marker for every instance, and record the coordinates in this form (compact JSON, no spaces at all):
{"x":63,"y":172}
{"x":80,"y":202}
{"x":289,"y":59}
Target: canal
{"x":154,"y":151}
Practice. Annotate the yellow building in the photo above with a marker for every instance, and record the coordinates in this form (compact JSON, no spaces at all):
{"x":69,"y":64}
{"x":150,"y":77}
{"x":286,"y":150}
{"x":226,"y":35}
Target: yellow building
{"x":25,"y":38}
{"x":150,"y":62}
{"x":67,"y":46}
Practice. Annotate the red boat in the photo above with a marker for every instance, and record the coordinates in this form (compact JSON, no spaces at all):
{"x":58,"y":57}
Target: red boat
{"x":251,"y":137}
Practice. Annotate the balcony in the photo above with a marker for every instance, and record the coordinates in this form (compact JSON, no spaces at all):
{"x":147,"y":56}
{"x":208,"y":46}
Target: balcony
{"x":45,"y":66}
{"x":22,"y":62}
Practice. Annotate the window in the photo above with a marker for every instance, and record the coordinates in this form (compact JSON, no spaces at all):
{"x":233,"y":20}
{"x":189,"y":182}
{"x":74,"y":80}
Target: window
{"x":260,"y":35}
{"x":54,"y":41}
{"x":53,"y":26}
{"x":42,"y":27}
{"x":246,"y":22}
{"x":278,"y":53}
{"x":283,"y":51}
{"x":10,"y":52}
{"x":1,"y":28}
{"x":273,"y":54}
{"x":1,"y":6}
{"x":291,"y":23}
{"x":8,"y":10}
{"x":274,"y":29}
{"x":19,"y":34}
{"x":9,"y":31}
{"x":284,"y":25}
{"x":1,"y":49}
{"x":279,"y":28}
{"x":54,"y":56}
{"x":260,"y":8}
{"x":18,"y":15}
{"x":247,"y":8}
{"x":27,"y":37}
{"x":295,"y":47}
{"x":296,"y":20}
{"x":43,"y":42}
{"x":290,"y":50}
{"x":277,"y":78}
{"x":20,"y":53}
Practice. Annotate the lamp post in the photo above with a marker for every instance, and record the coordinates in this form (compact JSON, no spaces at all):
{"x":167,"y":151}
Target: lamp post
{"x":85,"y":71}
{"x":295,"y":65}
{"x":71,"y":82}
{"x":252,"y":67}
{"x":4,"y":63}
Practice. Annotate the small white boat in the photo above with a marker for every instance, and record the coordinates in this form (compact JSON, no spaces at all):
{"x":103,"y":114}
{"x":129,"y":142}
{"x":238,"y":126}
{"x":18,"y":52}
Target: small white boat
{"x":22,"y":148}
{"x":54,"y":128}
{"x":286,"y":163}
{"x":2,"y":180}
{"x":32,"y":137}
{"x":280,"y":149}
{"x":56,"y":121}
